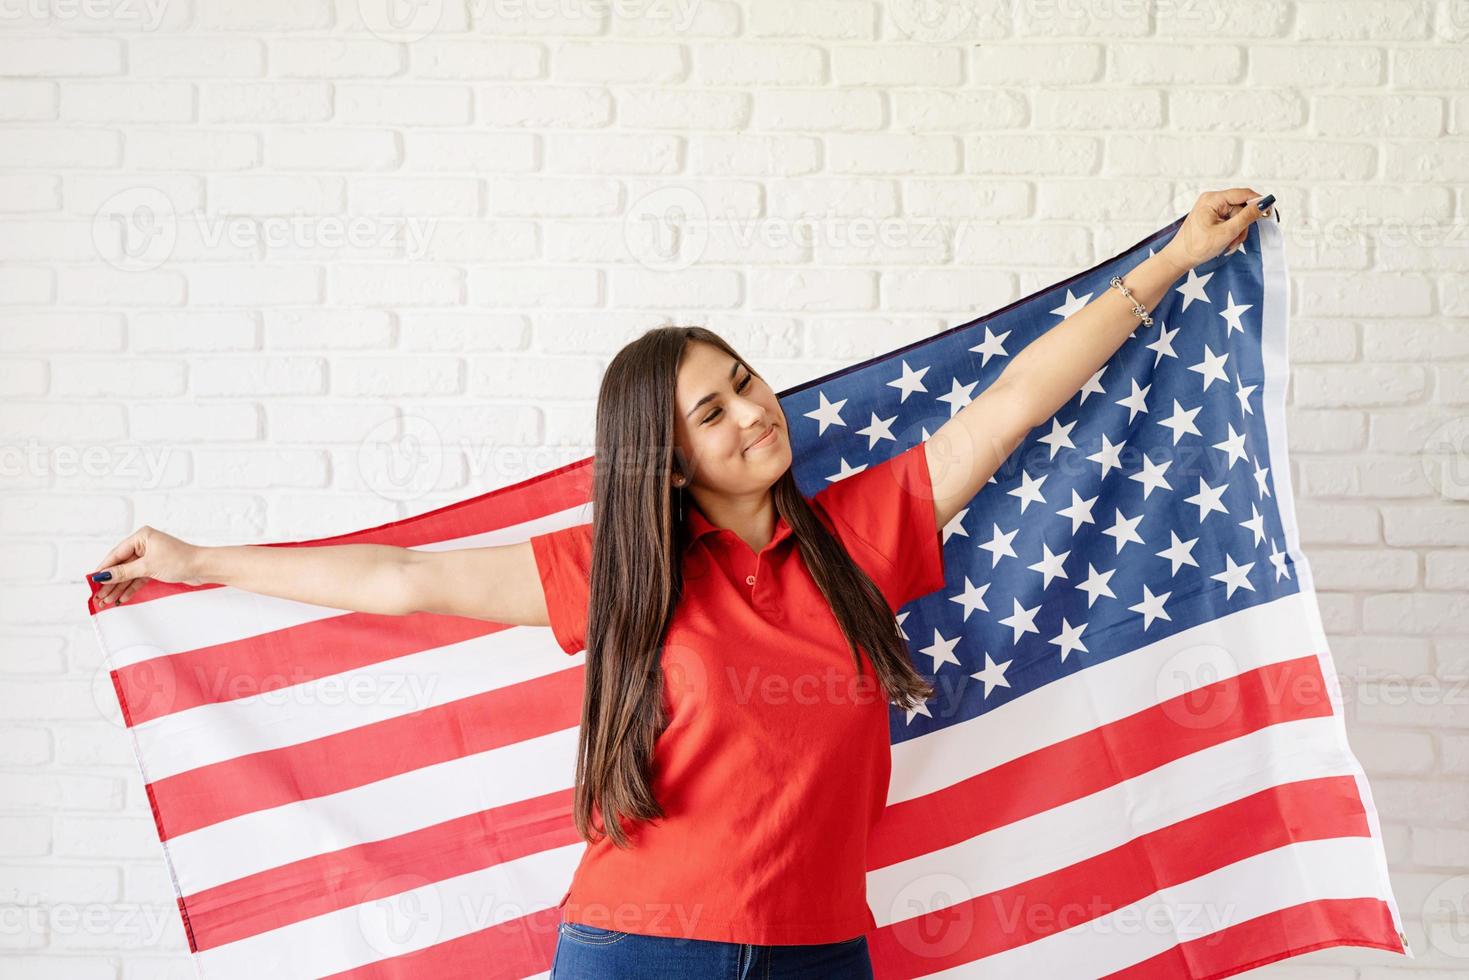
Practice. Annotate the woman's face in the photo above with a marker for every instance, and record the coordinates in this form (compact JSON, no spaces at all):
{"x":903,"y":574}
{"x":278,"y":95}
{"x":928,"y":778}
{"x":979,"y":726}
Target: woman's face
{"x":722,"y":407}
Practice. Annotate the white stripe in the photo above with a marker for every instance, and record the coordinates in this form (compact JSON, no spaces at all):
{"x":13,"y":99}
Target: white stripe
{"x":1088,"y":826}
{"x":1306,"y":871}
{"x":209,"y":617}
{"x":443,"y":911}
{"x":266,"y":839}
{"x":212,"y":733}
{"x":410,"y":920}
{"x":1275,"y":352}
{"x":1275,"y":356}
{"x":1267,"y":633}
{"x":270,"y":838}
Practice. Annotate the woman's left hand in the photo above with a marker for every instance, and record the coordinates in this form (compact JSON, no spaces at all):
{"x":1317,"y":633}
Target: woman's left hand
{"x":1219,"y":220}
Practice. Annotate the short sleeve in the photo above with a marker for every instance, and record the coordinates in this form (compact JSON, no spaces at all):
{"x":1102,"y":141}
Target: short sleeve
{"x":884,"y":516}
{"x":564,"y":563}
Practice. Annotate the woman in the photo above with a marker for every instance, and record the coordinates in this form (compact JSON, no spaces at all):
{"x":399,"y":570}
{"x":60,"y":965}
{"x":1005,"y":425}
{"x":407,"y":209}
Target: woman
{"x":733,"y":747}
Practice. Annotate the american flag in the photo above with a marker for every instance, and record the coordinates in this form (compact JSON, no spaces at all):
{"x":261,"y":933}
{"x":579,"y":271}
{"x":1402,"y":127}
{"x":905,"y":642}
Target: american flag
{"x":1134,"y":763}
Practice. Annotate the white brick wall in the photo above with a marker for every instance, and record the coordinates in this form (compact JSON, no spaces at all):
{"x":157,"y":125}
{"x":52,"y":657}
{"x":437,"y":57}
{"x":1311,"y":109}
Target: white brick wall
{"x":218,"y":371}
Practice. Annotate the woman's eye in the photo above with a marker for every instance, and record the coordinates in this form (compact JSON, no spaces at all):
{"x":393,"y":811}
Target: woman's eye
{"x":715,"y":414}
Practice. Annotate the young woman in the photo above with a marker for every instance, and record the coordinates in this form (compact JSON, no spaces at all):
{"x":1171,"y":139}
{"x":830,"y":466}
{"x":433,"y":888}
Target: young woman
{"x":733,"y":748}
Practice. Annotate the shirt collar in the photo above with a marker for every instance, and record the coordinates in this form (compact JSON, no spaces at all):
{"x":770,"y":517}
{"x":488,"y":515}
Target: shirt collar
{"x":699,"y":525}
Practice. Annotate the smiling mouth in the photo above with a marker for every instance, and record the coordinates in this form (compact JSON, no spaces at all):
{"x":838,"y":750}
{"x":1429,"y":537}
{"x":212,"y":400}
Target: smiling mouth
{"x":765,"y":439}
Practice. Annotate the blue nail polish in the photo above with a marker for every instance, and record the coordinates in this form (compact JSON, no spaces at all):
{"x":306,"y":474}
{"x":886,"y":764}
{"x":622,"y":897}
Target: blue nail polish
{"x":101,"y":576}
{"x":1264,"y":203}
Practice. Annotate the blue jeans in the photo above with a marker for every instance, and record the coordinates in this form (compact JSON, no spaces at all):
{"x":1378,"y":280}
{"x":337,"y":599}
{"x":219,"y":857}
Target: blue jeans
{"x":592,"y":953}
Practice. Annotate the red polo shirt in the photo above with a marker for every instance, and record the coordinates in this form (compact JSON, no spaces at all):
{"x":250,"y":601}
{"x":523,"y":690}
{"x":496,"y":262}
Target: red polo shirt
{"x":776,"y":759}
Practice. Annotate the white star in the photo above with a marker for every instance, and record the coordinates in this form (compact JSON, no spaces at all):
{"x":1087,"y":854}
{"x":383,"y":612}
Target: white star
{"x":1255,"y":523}
{"x":1181,"y":421}
{"x":910,"y":382}
{"x":1231,"y":314}
{"x":1151,"y":607}
{"x":846,"y":471}
{"x":1109,"y":455}
{"x":971,"y":598}
{"x":1163,"y":346}
{"x":1094,"y":383}
{"x":1080,"y":510}
{"x":1243,"y":392}
{"x":1260,"y":472}
{"x":1095,"y":584}
{"x":1277,"y":558}
{"x":956,"y":525}
{"x":1029,"y":490}
{"x":1135,"y":402}
{"x":1179,"y":553}
{"x":1239,"y":248}
{"x":1072,"y":304}
{"x":993,"y":675}
{"x":1124,"y":529}
{"x":1022,"y":620}
{"x":1194,"y":288}
{"x":1233,"y":447}
{"x":999,"y":545}
{"x":942,"y":651}
{"x":1207,"y":499}
{"x":958,"y":396}
{"x":1234,"y":576}
{"x":921,"y":709}
{"x":827,"y":413}
{"x":902,"y":616}
{"x":992,"y":347}
{"x":1211,"y":367}
{"x":878,"y":430}
{"x":1059,"y":437}
{"x":1069,"y":638}
{"x":1152,"y":475}
{"x":1050,"y":565}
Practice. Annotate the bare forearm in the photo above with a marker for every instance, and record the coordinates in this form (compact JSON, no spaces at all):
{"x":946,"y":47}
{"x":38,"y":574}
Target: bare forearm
{"x":1055,"y":365}
{"x":360,"y":577}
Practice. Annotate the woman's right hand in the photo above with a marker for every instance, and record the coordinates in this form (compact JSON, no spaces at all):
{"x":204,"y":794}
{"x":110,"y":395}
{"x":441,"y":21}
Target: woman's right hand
{"x":144,"y":554}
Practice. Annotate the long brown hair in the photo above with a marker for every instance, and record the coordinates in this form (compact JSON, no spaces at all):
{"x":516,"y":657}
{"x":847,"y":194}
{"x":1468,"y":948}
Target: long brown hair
{"x":637,"y":579}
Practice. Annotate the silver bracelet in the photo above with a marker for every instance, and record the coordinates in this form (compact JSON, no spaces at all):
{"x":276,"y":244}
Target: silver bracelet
{"x":1137,"y":308}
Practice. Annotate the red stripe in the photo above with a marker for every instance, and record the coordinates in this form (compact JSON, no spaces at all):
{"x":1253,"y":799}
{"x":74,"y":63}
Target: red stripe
{"x":1311,"y":809}
{"x":246,"y":783}
{"x":517,"y":948}
{"x":380,"y":869}
{"x":1271,"y":937}
{"x":249,"y":783}
{"x":269,"y":662}
{"x":1097,"y":759}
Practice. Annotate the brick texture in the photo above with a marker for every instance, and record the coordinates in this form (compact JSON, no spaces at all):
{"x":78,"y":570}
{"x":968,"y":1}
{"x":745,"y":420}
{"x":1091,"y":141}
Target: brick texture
{"x":241,"y":240}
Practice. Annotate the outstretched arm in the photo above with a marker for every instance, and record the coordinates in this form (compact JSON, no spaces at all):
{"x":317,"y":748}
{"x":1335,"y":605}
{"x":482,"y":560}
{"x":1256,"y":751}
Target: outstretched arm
{"x":967,"y":450}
